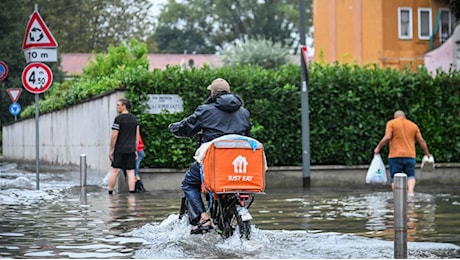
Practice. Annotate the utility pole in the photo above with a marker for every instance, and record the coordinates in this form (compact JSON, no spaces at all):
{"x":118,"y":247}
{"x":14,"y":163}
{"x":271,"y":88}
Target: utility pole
{"x":304,"y":100}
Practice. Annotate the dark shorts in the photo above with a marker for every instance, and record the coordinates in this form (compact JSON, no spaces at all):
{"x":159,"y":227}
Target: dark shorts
{"x":124,"y":161}
{"x":402,"y":165}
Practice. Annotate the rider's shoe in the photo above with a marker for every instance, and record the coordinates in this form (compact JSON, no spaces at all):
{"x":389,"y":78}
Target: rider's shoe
{"x":202,"y":227}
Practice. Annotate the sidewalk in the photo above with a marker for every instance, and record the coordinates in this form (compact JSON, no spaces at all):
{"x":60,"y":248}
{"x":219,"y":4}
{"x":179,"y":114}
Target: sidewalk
{"x":159,"y":179}
{"x":320,"y":176}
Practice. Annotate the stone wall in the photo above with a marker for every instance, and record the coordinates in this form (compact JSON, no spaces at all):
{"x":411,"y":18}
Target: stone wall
{"x":64,"y":135}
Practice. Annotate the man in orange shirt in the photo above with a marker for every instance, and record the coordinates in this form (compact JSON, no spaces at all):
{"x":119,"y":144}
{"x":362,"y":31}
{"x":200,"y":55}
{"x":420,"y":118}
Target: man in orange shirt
{"x":402,"y":133}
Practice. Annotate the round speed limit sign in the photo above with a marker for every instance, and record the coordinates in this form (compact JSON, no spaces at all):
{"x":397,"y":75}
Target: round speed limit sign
{"x":37,"y":77}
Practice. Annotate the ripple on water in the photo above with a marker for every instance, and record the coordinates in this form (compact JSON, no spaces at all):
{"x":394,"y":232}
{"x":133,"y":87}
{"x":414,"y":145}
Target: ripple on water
{"x":56,"y":223}
{"x":169,"y":235}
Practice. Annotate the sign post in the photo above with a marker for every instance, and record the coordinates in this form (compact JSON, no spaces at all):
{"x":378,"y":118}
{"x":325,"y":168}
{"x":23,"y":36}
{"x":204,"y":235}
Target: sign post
{"x":15,"y":109}
{"x":14,"y":94}
{"x":3,"y":70}
{"x":304,"y":98}
{"x":37,"y":77}
{"x":39,"y":45}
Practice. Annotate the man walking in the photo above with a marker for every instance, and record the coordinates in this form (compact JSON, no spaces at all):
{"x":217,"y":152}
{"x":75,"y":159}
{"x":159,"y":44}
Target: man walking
{"x":402,"y":133}
{"x":123,"y":145}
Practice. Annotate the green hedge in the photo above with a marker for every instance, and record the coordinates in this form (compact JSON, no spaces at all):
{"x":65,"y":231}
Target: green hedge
{"x":348,"y":106}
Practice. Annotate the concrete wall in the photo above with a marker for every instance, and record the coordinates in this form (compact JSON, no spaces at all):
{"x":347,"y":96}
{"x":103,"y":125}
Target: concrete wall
{"x":66,"y":134}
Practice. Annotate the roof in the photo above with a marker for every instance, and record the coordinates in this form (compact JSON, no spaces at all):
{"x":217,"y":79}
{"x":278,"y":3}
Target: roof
{"x":73,"y":63}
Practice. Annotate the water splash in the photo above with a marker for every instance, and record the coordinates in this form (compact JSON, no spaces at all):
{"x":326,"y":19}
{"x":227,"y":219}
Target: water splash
{"x":171,"y":239}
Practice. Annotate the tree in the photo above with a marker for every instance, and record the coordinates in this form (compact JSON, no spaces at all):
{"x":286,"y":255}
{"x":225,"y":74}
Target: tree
{"x":77,"y":26}
{"x":180,"y":29}
{"x":14,"y":22}
{"x":263,"y":53}
{"x":92,"y":25}
{"x":215,"y":23}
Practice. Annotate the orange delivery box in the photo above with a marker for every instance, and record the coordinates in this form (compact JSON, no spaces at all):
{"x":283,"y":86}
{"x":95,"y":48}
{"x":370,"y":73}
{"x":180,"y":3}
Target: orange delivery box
{"x":232,"y":163}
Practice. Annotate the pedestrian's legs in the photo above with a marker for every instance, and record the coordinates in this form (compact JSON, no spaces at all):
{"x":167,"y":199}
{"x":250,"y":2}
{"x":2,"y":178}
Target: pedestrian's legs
{"x":395,"y":167}
{"x":113,"y":178}
{"x":403,"y":165}
{"x":191,"y":185}
{"x":410,"y":186}
{"x":140,"y":156}
{"x":131,"y":180}
{"x":409,"y":169}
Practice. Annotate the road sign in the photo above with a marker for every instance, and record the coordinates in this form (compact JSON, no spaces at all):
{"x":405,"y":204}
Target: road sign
{"x":3,"y":70}
{"x":41,"y":55}
{"x":37,"y":77}
{"x":15,"y":109}
{"x":14,"y":93}
{"x":37,"y":34}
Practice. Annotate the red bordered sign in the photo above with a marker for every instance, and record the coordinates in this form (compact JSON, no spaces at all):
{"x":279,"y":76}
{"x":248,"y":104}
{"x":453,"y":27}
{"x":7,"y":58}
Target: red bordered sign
{"x":3,"y":70}
{"x":37,"y":77}
{"x":37,"y":34}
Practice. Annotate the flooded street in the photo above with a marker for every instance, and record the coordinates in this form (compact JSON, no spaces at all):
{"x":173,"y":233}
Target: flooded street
{"x":61,"y":220}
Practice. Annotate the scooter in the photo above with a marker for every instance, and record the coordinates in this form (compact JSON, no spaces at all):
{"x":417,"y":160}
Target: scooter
{"x":228,"y":210}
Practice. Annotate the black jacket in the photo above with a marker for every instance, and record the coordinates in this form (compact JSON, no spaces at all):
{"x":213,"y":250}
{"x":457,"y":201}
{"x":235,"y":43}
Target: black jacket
{"x":220,"y":115}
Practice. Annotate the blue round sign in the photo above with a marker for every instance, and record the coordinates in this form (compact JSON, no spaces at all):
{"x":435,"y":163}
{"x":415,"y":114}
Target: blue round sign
{"x":15,"y":109}
{"x":3,"y":70}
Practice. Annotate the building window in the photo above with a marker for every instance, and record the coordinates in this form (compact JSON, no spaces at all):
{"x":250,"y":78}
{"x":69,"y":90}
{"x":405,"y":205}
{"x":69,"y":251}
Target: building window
{"x":405,"y":23}
{"x":445,"y":29}
{"x":424,"y":23}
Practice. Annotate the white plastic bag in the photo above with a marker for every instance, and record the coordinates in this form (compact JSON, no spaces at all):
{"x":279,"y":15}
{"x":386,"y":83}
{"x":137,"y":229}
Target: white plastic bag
{"x":427,"y":163}
{"x":376,"y":174}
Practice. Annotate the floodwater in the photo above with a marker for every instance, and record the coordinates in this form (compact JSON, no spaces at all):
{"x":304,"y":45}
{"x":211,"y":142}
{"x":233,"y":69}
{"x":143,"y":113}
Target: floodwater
{"x":62,"y":220}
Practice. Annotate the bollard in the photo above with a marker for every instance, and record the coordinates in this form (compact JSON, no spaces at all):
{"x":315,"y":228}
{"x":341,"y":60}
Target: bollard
{"x":400,"y":216}
{"x":83,"y":197}
{"x":83,"y":170}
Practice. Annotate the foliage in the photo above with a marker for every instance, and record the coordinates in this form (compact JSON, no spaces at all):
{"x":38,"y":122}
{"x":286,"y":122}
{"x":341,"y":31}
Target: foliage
{"x":348,"y":106}
{"x":78,"y":26}
{"x":261,"y":53}
{"x":121,"y":66}
{"x":13,"y":25}
{"x":204,"y":26}
{"x":172,"y":35}
{"x":88,"y":25}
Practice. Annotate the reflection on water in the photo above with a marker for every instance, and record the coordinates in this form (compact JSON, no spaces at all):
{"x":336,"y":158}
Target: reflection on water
{"x":63,"y":221}
{"x":432,"y":214}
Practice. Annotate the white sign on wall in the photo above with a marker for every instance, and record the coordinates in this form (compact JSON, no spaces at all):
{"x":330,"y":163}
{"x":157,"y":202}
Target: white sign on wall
{"x":169,"y":102}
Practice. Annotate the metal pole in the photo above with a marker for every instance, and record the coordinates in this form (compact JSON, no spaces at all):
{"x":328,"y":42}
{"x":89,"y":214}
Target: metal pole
{"x":37,"y":143}
{"x":83,"y":197}
{"x":37,"y":147}
{"x":83,"y":170}
{"x":304,"y":93}
{"x":400,"y":216}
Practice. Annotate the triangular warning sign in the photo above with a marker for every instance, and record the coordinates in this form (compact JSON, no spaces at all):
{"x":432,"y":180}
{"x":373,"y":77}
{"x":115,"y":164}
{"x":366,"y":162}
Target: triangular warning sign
{"x":37,"y":34}
{"x":14,"y":93}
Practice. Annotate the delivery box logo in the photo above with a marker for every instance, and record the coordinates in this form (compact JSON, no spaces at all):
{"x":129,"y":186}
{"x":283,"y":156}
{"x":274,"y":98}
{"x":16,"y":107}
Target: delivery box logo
{"x":240,"y":164}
